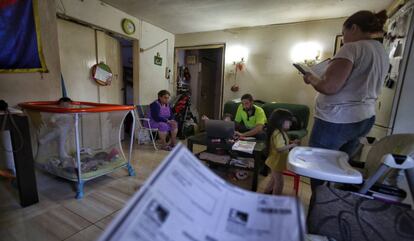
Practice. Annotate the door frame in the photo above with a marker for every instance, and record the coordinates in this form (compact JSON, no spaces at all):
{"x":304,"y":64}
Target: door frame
{"x":221,"y":46}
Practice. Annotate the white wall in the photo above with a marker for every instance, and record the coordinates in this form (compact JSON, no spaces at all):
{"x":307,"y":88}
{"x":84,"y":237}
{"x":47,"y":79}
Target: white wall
{"x":152,"y":77}
{"x":20,"y":87}
{"x":269,"y":74}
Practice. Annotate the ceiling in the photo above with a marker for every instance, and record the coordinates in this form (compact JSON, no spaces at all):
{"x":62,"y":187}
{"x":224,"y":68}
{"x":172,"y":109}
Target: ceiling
{"x":186,"y":16}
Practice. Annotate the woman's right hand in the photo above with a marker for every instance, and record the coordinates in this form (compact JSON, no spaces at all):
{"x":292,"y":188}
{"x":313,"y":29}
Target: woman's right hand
{"x":173,"y":123}
{"x":308,"y":78}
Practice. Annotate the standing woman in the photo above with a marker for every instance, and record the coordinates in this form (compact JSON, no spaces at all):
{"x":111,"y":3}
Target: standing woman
{"x":345,"y":105}
{"x":162,"y":117}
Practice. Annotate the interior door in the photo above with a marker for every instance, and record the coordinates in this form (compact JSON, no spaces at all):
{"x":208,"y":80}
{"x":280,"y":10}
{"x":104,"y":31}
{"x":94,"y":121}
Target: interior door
{"x":77,"y":53}
{"x":77,"y":56}
{"x":109,"y":52}
{"x":207,"y":87}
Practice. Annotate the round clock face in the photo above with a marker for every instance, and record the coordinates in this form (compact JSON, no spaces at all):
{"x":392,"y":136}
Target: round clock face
{"x":128,"y":26}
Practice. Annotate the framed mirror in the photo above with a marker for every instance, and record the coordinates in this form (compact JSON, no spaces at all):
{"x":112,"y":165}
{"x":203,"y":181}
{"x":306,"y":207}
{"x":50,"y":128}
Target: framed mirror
{"x":102,"y":74}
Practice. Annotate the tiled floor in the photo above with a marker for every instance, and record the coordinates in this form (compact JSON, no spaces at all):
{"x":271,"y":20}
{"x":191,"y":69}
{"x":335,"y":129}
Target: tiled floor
{"x":59,"y":216}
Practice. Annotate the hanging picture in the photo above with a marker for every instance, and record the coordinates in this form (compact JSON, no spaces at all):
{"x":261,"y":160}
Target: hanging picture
{"x":21,"y":49}
{"x":339,"y":41}
{"x":191,"y":59}
{"x":158,"y":59}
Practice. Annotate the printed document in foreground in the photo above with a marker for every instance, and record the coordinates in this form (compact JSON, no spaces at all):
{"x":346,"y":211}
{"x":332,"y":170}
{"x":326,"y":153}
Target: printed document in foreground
{"x":183,"y":200}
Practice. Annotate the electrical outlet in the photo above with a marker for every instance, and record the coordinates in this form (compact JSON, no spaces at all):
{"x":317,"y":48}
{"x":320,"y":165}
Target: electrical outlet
{"x":167,"y":73}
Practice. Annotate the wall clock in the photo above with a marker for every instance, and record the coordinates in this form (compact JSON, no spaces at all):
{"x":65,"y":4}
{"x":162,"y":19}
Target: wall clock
{"x":128,"y":26}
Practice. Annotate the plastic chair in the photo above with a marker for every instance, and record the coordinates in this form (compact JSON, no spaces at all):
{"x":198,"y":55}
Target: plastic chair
{"x":143,"y":123}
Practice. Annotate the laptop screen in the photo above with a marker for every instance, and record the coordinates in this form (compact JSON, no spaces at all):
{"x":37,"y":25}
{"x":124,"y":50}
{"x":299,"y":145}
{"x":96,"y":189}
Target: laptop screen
{"x":219,"y":129}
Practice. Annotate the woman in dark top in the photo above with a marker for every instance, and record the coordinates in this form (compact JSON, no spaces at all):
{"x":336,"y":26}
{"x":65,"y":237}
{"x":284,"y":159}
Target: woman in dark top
{"x":162,"y":117}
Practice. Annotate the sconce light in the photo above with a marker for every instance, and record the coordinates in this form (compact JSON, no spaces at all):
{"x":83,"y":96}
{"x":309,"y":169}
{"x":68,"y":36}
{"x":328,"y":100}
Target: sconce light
{"x":239,"y":65}
{"x":236,"y":54}
{"x":306,"y":52}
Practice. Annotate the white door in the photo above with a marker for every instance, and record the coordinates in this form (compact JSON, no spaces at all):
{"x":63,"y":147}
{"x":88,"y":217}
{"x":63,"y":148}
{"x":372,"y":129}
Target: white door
{"x":77,"y":56}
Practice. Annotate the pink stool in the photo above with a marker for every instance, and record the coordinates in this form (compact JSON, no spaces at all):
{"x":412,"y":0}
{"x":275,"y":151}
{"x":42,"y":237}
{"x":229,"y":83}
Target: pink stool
{"x":296,"y":180}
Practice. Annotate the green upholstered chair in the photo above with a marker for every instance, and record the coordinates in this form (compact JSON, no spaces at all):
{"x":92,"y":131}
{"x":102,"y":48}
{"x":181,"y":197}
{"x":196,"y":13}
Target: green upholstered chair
{"x":300,"y":112}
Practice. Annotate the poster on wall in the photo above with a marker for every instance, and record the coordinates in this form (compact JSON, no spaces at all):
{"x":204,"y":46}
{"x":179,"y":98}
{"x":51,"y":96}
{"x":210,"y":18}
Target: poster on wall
{"x":20,"y":43}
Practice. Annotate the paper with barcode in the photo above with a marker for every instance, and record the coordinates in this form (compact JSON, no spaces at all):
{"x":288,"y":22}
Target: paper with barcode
{"x":184,"y":201}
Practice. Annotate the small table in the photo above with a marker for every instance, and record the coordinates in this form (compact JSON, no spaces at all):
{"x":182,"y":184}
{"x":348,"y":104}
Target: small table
{"x":259,"y":148}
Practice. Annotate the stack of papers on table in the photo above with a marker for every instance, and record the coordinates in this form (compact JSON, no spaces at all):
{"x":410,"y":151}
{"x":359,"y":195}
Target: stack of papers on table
{"x":244,"y":146}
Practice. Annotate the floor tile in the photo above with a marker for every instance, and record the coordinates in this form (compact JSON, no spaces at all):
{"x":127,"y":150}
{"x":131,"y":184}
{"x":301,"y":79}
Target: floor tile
{"x":90,"y":233}
{"x":102,"y":224}
{"x":55,"y":224}
{"x":95,"y":206}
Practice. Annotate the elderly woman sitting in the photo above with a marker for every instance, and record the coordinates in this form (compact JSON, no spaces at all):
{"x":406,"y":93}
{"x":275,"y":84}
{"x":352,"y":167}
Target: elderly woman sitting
{"x":162,"y":117}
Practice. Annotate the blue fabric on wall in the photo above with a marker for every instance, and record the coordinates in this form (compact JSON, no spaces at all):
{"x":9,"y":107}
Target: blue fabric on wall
{"x":18,"y":39}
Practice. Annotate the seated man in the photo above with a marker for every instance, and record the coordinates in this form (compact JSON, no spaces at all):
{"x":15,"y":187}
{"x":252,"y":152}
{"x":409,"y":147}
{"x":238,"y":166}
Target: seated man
{"x":250,"y":119}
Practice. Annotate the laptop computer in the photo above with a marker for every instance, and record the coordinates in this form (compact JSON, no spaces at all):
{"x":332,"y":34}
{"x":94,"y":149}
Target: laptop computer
{"x":219,"y":129}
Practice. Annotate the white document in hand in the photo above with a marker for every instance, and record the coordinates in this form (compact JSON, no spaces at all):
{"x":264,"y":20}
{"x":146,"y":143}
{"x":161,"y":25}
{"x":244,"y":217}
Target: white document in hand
{"x":183,"y":200}
{"x":318,"y":69}
{"x":244,"y":146}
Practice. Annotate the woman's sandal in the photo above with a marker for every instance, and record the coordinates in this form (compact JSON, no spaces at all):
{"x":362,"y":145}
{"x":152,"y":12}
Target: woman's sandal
{"x":166,"y":148}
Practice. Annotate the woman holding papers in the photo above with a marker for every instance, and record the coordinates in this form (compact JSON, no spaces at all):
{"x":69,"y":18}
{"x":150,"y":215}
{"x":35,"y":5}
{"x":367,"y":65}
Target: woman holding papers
{"x":345,"y":105}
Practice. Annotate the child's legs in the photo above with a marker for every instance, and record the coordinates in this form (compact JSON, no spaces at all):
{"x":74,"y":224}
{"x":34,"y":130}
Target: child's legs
{"x":269,"y":186}
{"x":278,"y":182}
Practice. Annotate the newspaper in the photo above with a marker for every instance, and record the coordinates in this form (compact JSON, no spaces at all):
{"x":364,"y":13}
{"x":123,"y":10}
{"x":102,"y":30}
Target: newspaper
{"x":244,"y":146}
{"x":184,"y":201}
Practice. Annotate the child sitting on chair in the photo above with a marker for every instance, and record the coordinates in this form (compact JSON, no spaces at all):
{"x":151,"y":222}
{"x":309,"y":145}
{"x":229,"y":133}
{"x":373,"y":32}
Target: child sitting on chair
{"x":277,"y":142}
{"x":60,"y":125}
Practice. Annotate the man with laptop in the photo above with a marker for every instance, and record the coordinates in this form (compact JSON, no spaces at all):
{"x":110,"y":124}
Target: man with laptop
{"x":250,"y":119}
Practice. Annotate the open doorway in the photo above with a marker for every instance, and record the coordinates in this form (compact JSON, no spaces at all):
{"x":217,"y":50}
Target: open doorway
{"x":127,"y":69}
{"x":200,"y":73}
{"x":127,"y":66}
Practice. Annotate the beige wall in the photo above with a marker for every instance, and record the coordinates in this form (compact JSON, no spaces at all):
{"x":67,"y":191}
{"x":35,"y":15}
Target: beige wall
{"x":19,"y":87}
{"x":269,"y":74}
{"x":15,"y":88}
{"x":151,"y":77}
